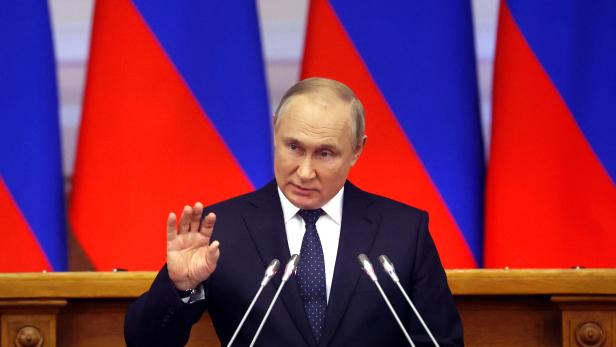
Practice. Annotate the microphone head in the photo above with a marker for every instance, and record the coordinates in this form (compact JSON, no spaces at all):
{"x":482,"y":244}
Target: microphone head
{"x":294,"y":260}
{"x":383,"y":259}
{"x":367,"y":266}
{"x":272,"y":268}
{"x":291,"y":266}
{"x":388,"y":266}
{"x":362,"y":259}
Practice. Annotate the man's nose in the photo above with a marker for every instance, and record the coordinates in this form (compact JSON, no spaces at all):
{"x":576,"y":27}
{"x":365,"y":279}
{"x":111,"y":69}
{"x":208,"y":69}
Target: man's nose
{"x":306,"y":170}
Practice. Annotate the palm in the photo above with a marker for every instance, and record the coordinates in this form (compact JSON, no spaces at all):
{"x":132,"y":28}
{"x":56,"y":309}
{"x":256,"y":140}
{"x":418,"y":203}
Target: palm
{"x":191,"y":258}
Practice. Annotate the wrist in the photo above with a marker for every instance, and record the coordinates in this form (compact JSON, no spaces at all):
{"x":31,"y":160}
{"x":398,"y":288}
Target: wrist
{"x":185,"y":286}
{"x":186,"y":293}
{"x":183,"y":283}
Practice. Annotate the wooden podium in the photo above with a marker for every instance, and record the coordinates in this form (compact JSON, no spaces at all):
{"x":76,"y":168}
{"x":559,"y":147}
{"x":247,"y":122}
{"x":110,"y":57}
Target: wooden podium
{"x":574,"y":307}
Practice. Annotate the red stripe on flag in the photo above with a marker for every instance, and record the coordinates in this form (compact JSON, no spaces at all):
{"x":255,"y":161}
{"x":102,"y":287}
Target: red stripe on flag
{"x":389,"y":164}
{"x":550,"y":203}
{"x":20,"y":251}
{"x":145,"y":148}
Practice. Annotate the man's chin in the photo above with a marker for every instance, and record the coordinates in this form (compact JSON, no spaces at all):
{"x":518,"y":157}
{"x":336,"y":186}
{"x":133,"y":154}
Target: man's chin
{"x":305,"y":203}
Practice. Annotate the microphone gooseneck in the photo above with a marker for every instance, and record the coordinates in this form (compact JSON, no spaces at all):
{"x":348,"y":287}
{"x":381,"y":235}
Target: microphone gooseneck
{"x":288,"y":271}
{"x":270,"y":271}
{"x":389,"y":268}
{"x":369,"y":270}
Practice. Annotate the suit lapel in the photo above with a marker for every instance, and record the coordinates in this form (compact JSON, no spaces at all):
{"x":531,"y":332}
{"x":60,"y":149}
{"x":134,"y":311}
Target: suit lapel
{"x":356,"y":236}
{"x":265,"y":223}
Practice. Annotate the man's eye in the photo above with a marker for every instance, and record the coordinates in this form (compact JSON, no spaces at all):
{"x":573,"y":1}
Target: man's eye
{"x":326,"y":154}
{"x":293,"y":147}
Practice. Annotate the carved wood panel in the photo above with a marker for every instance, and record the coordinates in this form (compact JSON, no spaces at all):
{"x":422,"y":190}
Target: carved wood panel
{"x":29,"y":323}
{"x":588,"y":321}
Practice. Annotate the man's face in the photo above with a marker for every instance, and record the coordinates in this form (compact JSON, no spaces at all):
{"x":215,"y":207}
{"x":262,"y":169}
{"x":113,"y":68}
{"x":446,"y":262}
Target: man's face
{"x":314,"y":149}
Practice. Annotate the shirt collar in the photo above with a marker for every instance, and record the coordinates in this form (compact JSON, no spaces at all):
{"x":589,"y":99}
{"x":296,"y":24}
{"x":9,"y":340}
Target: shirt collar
{"x":333,"y":208}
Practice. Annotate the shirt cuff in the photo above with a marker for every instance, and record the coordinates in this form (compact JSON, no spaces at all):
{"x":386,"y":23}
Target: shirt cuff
{"x":196,"y":295}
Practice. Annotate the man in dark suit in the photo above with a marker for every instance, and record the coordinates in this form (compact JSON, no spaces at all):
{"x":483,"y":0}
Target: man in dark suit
{"x":310,"y":209}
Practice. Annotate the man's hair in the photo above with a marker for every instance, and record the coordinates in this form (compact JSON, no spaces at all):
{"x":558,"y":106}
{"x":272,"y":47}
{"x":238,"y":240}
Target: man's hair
{"x":319,"y":85}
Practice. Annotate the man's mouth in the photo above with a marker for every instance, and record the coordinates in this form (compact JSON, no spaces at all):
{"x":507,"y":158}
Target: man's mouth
{"x":303,"y":190}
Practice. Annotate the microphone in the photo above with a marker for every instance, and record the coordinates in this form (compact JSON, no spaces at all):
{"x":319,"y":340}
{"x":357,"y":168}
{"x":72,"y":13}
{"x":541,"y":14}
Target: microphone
{"x":388,"y":266}
{"x":367,"y":267}
{"x":271,"y":270}
{"x":288,"y":271}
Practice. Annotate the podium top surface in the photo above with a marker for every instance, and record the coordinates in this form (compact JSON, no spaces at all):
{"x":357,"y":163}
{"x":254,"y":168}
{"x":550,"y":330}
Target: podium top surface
{"x":462,"y":282}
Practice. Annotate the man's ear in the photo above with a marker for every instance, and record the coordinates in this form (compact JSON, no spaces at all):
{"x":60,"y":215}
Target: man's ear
{"x":274,"y":130}
{"x":358,"y":149}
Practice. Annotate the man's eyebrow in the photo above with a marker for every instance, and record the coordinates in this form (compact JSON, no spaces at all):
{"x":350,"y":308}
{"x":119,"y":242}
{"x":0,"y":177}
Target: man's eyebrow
{"x":290,"y":139}
{"x":328,"y":146}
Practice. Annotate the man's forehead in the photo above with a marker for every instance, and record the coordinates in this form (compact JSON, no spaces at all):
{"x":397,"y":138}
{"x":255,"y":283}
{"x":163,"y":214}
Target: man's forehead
{"x":326,"y":107}
{"x":322,"y":97}
{"x":317,"y":115}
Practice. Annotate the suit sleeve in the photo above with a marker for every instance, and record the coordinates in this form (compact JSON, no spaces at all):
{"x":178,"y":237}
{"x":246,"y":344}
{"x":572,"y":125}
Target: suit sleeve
{"x":431,"y":295}
{"x":159,"y":317}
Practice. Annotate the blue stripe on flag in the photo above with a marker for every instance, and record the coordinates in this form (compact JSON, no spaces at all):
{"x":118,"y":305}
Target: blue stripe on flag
{"x":421,"y":55}
{"x":575,"y":41}
{"x":216,"y":47}
{"x":30,"y":142}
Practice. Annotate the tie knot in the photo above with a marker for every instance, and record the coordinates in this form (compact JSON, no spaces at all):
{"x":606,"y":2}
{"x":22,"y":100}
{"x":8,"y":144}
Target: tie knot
{"x":310,"y":216}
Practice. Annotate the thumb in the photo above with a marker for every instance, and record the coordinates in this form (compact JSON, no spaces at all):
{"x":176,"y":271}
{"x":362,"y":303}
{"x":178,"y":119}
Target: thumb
{"x":213,"y":254}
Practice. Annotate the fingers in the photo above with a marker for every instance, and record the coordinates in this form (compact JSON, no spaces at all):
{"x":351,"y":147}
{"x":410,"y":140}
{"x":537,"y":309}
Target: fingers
{"x":185,"y":219}
{"x":207,"y":226}
{"x":213,"y":254}
{"x":171,"y":227}
{"x":195,"y":217}
{"x":190,"y":220}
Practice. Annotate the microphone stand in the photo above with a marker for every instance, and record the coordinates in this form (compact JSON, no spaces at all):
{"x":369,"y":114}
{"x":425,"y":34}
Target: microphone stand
{"x":271,"y":270}
{"x":367,"y":267}
{"x":388,"y":266}
{"x":288,"y":271}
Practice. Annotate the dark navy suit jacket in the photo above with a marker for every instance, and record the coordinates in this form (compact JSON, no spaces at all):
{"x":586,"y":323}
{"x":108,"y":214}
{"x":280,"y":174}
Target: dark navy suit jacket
{"x":251,"y":232}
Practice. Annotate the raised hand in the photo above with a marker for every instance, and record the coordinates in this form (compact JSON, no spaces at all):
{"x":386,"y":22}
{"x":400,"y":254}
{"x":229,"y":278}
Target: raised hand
{"x":191,"y":258}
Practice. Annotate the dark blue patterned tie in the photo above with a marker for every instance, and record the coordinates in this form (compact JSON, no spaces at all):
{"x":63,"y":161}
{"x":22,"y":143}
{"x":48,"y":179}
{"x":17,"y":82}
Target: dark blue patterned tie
{"x":311,"y":273}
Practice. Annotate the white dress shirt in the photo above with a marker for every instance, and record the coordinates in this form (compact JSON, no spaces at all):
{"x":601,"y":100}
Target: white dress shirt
{"x":328,"y":228}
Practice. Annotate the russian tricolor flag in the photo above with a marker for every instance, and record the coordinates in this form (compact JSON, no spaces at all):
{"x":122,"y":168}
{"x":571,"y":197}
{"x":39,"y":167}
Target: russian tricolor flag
{"x":32,"y":212}
{"x":551,"y":198}
{"x":412,"y":64}
{"x":175,"y":112}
